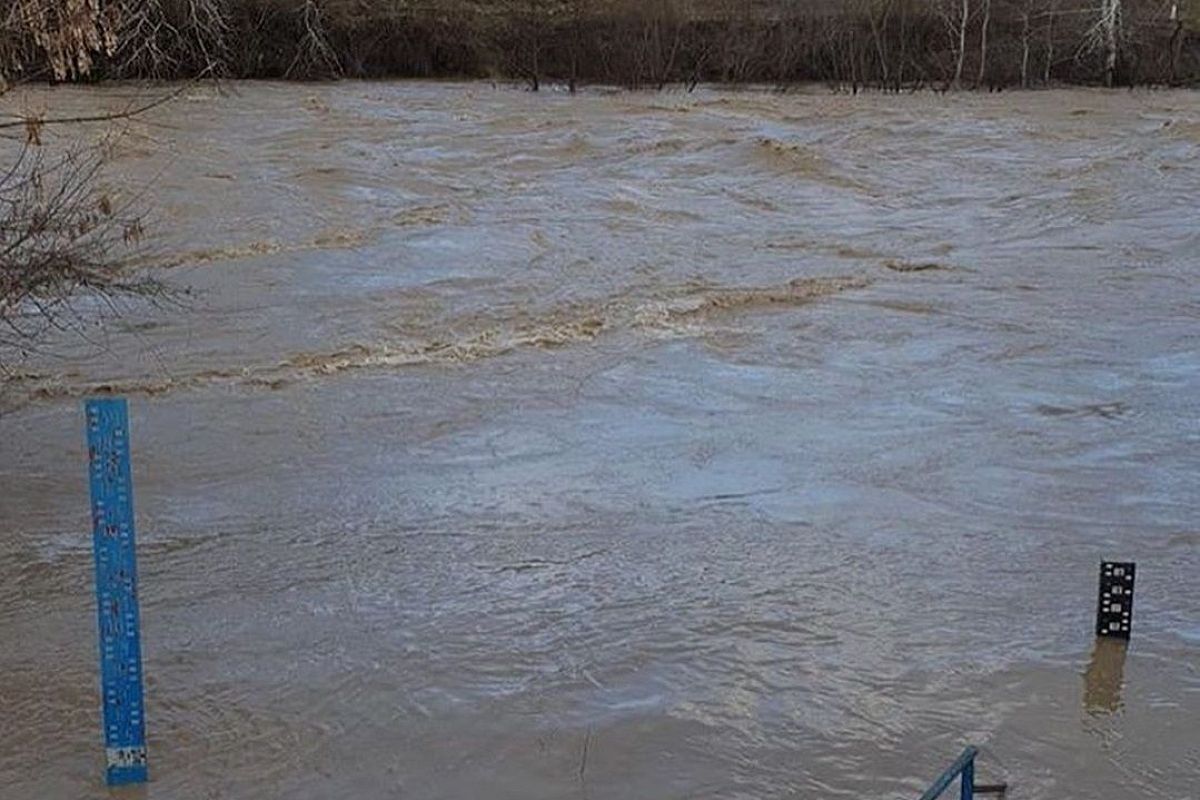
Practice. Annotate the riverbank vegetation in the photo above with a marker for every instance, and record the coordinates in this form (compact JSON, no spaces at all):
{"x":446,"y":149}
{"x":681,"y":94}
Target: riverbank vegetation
{"x":880,"y":44}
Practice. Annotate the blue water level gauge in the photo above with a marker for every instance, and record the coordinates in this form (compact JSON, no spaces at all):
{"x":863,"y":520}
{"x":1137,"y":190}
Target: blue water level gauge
{"x":116,"y":591}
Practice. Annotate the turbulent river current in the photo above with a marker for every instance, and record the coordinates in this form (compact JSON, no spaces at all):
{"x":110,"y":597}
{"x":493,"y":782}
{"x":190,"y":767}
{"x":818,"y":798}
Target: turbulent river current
{"x":713,"y":445}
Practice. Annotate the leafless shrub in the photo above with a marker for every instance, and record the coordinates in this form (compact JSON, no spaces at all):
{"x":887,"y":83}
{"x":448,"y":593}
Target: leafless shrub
{"x":1106,"y":36}
{"x":169,"y":38}
{"x":62,"y":237}
{"x":59,"y":37}
{"x":314,"y":57}
{"x":146,"y":36}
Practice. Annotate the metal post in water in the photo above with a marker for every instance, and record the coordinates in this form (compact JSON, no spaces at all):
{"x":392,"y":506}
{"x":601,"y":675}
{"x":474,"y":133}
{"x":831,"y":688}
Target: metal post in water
{"x":113,"y":542}
{"x":1114,"y":610}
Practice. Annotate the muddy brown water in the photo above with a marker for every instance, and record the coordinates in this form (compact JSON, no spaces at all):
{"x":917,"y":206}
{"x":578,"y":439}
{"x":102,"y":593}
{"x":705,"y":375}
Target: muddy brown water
{"x":726,"y":445}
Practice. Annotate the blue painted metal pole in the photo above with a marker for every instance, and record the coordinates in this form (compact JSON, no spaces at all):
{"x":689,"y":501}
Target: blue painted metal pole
{"x":113,"y":542}
{"x":968,"y":780}
{"x":964,"y":763}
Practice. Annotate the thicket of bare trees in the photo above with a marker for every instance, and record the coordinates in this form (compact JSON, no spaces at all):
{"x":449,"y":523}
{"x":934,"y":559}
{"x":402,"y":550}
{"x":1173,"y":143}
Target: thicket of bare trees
{"x":890,"y":44}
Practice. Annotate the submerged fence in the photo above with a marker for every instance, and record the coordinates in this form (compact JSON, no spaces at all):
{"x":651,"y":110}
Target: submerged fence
{"x":963,"y":769}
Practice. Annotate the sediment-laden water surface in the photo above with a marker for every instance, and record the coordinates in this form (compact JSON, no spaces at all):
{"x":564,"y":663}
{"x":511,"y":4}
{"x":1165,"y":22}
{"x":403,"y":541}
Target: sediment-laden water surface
{"x":730,"y":445}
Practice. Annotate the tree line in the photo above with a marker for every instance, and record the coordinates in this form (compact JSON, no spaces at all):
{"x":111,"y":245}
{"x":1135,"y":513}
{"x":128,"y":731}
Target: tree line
{"x":881,"y":44}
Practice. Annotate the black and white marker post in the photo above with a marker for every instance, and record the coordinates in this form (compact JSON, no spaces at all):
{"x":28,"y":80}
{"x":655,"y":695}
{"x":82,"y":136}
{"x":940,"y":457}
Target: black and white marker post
{"x":1114,"y":610}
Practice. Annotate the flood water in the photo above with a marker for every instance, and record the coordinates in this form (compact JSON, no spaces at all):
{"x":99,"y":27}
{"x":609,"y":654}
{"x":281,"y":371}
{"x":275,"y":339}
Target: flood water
{"x":711,"y":445}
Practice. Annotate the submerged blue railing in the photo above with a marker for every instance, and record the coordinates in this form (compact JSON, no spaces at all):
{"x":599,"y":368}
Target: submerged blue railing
{"x":964,"y":768}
